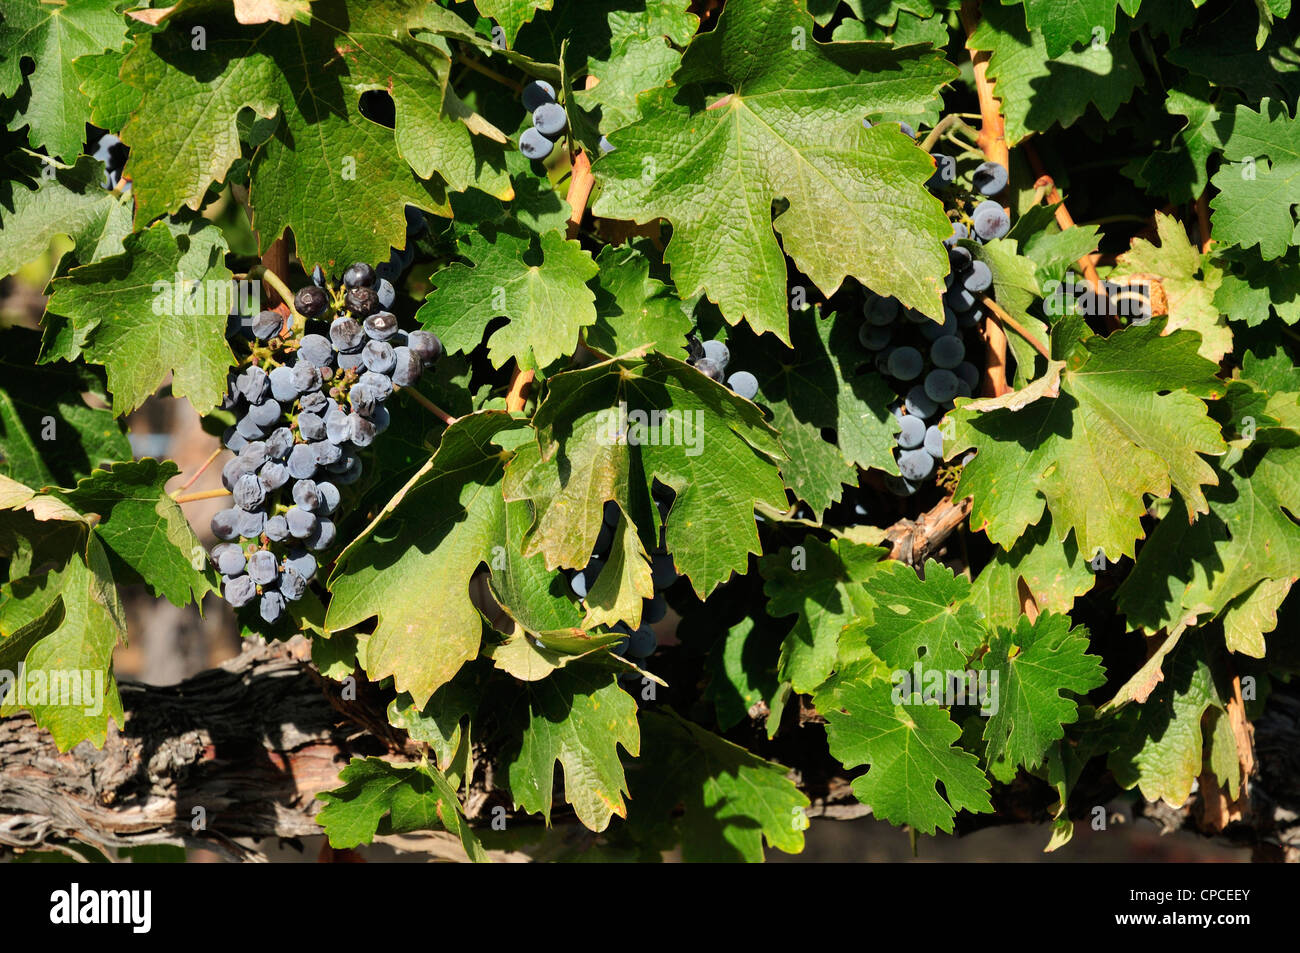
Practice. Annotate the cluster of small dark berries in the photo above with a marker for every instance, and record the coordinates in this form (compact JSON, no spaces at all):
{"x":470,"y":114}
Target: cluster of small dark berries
{"x":309,"y":400}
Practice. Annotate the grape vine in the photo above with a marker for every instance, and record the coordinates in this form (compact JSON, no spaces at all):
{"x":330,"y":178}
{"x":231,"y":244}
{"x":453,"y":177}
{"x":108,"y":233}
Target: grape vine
{"x":680,"y":418}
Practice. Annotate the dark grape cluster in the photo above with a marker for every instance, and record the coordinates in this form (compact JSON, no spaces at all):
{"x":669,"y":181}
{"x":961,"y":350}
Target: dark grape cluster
{"x":307,"y":402}
{"x":711,"y":359}
{"x":926,"y":361}
{"x":549,"y":120}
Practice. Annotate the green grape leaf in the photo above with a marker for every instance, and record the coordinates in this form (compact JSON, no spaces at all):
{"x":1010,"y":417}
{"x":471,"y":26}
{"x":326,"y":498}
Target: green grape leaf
{"x":1015,"y":287}
{"x":413,"y":797}
{"x":1034,"y":662}
{"x":1161,"y":749}
{"x":633,"y":309}
{"x":67,"y":682}
{"x":910,"y":751}
{"x":577,"y":717}
{"x":643,"y":52}
{"x":143,"y":528}
{"x":1049,"y":570}
{"x":1190,"y":281}
{"x":1187,"y":570}
{"x":511,"y":15}
{"x":111,"y":100}
{"x":825,"y":585}
{"x":1180,"y":172}
{"x":624,"y":581}
{"x":712,"y":448}
{"x":1226,"y":52}
{"x":338,"y":180}
{"x":741,"y":671}
{"x":52,"y":36}
{"x":1252,"y":289}
{"x":159,"y":307}
{"x":817,"y":384}
{"x":731,"y":801}
{"x":1258,"y":187}
{"x":431,"y":537}
{"x":1064,"y":23}
{"x":49,"y":434}
{"x":1052,"y":249}
{"x":71,"y":202}
{"x":539,"y":284}
{"x":853,"y":199}
{"x":917,"y":618}
{"x":1039,"y":91}
{"x":1128,"y":420}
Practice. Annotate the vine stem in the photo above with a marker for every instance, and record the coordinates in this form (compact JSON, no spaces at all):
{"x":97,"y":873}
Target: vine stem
{"x":201,"y":495}
{"x":199,"y":472}
{"x":517,"y":396}
{"x":470,"y":63}
{"x":1203,"y":219}
{"x":950,"y":121}
{"x":428,"y":405}
{"x":274,"y":280}
{"x":1014,"y":325}
{"x":993,"y":142}
{"x":580,"y":185}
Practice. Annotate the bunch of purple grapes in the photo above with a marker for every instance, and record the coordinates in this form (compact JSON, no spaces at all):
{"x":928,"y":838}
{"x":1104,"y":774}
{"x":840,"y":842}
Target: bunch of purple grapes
{"x":711,"y":360}
{"x":310,"y":399}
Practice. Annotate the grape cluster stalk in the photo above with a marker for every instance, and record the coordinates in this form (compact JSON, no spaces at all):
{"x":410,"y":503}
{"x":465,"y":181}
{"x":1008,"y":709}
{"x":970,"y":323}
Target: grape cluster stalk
{"x":308,"y":401}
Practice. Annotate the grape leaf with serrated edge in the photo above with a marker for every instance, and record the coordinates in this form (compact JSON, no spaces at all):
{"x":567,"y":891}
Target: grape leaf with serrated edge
{"x":112,"y":306}
{"x":335,"y":178}
{"x":542,"y":290}
{"x":1246,"y":539}
{"x":40,"y":402}
{"x":1258,"y":187}
{"x":1035,"y":662}
{"x":790,"y":129}
{"x":1189,"y":280}
{"x":94,"y":621}
{"x":430,"y":538}
{"x":915,"y":618}
{"x":1253,"y":289}
{"x":53,"y":35}
{"x":825,"y":585}
{"x":588,"y":452}
{"x":71,"y":202}
{"x":635,"y":309}
{"x":578,"y":717}
{"x":731,"y":800}
{"x":1162,"y":749}
{"x":909,"y":750}
{"x":143,"y":527}
{"x":1091,"y":453}
{"x":414,"y":797}
{"x":816,"y":384}
{"x":644,"y":49}
{"x":1038,"y":92}
{"x":1049,"y":570}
